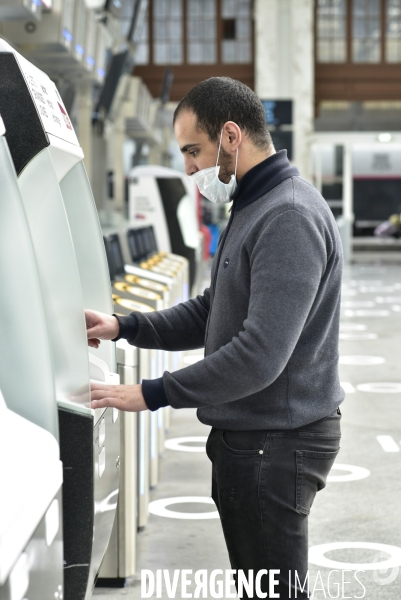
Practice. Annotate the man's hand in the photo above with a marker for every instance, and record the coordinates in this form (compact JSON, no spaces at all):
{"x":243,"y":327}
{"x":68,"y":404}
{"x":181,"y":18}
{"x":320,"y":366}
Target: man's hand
{"x":100,"y":326}
{"x":123,"y":397}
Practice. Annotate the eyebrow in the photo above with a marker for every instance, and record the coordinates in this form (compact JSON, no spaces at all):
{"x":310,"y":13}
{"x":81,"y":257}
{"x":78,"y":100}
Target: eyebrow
{"x":187,"y":147}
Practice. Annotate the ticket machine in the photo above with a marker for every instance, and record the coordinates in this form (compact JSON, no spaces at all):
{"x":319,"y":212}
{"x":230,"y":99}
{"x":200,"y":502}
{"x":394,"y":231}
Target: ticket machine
{"x":31,"y":548}
{"x":167,"y":199}
{"x":31,"y":533}
{"x":73,"y":275}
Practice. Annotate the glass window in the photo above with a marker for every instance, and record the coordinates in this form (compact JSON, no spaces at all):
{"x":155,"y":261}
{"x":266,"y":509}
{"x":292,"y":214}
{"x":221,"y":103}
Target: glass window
{"x":201,"y":31}
{"x":331,"y":29}
{"x":366,"y":31}
{"x":393,"y":31}
{"x":167,"y":32}
{"x":236,"y":45}
{"x":141,"y":40}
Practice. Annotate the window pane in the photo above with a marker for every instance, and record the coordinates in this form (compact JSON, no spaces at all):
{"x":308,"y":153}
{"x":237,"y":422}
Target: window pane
{"x":228,"y":48}
{"x":167,"y":32}
{"x":374,"y":7}
{"x":201,"y":31}
{"x":366,"y":27}
{"x":244,"y":8}
{"x":323,"y":50}
{"x":209,"y":54}
{"x":160,"y":53}
{"x":175,"y":8}
{"x":228,"y":9}
{"x":243,"y":28}
{"x":209,"y":9}
{"x":244,"y":55}
{"x":339,"y":51}
{"x":237,"y":31}
{"x":160,"y":8}
{"x":393,"y":31}
{"x":176,"y":54}
{"x":331,"y":30}
{"x":175,"y":30}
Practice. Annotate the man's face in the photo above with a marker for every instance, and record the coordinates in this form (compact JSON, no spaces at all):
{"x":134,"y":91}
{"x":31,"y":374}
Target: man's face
{"x":199,"y":152}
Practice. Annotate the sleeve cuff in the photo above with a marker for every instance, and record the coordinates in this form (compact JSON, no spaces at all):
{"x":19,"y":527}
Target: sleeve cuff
{"x":129,"y":327}
{"x":154,"y":394}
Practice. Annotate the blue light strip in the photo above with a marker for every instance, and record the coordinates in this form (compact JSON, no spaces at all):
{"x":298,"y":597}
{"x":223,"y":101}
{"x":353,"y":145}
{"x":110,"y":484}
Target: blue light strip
{"x":90,"y":61}
{"x":67,"y":35}
{"x":79,"y":49}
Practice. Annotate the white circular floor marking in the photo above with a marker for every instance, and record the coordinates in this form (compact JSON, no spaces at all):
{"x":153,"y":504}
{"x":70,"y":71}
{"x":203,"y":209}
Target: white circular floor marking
{"x":360,"y":312}
{"x":317,"y":556}
{"x":362,"y":360}
{"x":380,"y":388}
{"x":352,"y":327}
{"x":354,"y":473}
{"x":356,"y":337}
{"x":179,"y":443}
{"x":159,"y":508}
{"x":191,"y":359}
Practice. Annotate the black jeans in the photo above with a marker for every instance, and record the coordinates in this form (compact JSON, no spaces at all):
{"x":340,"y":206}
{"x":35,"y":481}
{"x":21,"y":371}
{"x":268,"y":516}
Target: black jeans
{"x":263,"y":484}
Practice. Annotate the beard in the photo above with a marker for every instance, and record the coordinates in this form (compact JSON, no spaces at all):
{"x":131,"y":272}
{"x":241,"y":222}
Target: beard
{"x":227,"y":165}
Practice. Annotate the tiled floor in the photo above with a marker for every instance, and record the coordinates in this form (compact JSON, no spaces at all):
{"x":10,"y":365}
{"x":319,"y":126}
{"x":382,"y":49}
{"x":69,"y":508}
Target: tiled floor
{"x":363,"y":511}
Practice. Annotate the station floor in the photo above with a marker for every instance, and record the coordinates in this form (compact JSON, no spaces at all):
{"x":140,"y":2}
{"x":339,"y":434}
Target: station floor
{"x":355,"y":522}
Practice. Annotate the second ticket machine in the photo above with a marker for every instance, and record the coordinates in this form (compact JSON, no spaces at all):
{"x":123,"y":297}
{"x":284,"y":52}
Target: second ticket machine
{"x":73,"y":274}
{"x":31,"y":534}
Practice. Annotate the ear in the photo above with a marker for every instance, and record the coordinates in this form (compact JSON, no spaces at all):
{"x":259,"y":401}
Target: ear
{"x":232,"y":136}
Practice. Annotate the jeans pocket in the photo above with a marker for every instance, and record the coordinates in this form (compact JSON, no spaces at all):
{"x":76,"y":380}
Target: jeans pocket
{"x":247,"y":443}
{"x":312,"y":471}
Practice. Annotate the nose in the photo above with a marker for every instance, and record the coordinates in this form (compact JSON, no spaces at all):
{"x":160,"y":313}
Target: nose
{"x":190,"y":167}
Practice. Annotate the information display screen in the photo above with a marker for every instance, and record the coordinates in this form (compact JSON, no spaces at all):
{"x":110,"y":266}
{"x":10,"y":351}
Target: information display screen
{"x":278,"y":112}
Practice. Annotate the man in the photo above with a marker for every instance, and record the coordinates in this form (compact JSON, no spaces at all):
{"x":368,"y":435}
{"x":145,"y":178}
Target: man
{"x":269,"y":322}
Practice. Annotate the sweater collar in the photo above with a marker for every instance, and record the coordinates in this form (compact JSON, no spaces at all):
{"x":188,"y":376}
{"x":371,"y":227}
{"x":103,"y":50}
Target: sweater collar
{"x":262,"y":178}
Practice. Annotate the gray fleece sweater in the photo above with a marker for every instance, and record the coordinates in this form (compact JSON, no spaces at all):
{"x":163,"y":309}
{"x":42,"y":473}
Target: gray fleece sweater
{"x":269,"y":322}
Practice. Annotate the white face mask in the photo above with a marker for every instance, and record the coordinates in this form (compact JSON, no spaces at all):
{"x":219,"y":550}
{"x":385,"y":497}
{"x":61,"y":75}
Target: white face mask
{"x":210,"y":185}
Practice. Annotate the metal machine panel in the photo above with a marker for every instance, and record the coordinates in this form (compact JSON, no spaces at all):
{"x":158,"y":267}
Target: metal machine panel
{"x":31,"y":556}
{"x":120,"y":559}
{"x":20,"y":353}
{"x":84,"y":224}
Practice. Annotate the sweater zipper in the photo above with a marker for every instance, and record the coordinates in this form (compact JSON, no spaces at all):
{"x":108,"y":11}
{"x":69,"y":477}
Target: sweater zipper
{"x":213,"y":286}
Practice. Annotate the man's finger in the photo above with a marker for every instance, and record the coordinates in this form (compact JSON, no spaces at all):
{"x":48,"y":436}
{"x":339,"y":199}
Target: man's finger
{"x":103,"y":386}
{"x":100,"y":394}
{"x":106,"y":403}
{"x":93,"y":332}
{"x":94,"y":343}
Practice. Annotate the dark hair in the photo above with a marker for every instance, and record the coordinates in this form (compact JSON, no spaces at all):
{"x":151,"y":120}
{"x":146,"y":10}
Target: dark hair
{"x":220,"y":99}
